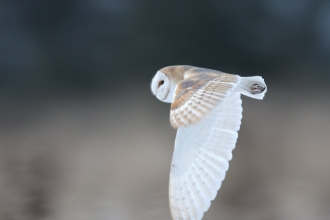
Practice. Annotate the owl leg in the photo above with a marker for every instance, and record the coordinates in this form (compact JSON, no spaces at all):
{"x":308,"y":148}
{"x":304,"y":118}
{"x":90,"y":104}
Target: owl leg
{"x":257,"y":89}
{"x":253,"y":87}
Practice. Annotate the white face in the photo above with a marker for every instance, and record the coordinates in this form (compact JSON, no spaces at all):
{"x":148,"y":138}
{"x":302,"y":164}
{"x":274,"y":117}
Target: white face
{"x":161,"y":87}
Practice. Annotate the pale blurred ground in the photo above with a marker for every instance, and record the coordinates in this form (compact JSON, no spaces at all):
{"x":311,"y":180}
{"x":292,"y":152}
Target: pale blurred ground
{"x":108,"y":157}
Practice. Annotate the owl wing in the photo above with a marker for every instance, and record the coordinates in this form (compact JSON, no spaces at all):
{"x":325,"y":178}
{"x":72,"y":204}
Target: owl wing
{"x":198,"y":93}
{"x":200,"y":159}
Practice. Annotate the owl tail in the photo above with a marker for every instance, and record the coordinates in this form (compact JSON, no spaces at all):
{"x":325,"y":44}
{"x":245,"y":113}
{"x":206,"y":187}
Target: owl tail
{"x":253,"y":86}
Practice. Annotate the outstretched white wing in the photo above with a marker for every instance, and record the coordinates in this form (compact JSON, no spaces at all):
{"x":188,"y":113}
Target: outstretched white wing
{"x":200,"y":159}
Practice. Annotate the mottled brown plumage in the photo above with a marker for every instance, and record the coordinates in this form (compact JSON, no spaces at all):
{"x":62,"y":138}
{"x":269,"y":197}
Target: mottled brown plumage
{"x":197,"y":91}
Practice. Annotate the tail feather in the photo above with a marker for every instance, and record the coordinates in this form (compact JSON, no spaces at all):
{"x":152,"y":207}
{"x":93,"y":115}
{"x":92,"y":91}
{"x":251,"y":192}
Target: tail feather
{"x":253,"y":87}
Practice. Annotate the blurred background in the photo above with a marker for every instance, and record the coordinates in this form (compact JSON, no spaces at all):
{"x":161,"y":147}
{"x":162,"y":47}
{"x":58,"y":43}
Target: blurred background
{"x":82,"y":137}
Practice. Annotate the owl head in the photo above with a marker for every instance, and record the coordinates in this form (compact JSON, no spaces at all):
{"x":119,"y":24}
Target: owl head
{"x":161,"y":87}
{"x":164,"y":82}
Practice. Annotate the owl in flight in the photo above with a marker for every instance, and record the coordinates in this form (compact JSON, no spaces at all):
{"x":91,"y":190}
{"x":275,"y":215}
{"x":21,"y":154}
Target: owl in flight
{"x":206,"y":110}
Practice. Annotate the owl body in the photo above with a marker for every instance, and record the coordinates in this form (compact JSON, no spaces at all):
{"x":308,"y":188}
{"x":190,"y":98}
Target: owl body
{"x":206,"y":110}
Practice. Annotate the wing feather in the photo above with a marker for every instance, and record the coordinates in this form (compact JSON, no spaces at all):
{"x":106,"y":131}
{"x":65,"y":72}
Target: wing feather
{"x":193,"y":194}
{"x":208,"y":176}
{"x":206,"y":190}
{"x":199,"y":92}
{"x":200,"y":158}
{"x":191,"y":202}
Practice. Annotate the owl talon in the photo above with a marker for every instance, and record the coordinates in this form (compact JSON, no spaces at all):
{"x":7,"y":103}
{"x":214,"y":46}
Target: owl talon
{"x":256,"y":89}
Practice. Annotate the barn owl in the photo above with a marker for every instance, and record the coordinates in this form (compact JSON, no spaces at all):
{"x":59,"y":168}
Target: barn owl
{"x":206,"y":110}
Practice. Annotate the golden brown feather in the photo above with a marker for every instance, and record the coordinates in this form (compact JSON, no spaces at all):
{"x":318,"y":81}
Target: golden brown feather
{"x":197,"y":93}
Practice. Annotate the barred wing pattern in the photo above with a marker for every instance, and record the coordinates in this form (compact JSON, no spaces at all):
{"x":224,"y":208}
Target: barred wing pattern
{"x":198,"y":94}
{"x":200,"y":159}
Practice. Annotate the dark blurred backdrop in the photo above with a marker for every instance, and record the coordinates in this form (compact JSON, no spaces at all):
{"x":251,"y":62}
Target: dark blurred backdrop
{"x":81,"y":136}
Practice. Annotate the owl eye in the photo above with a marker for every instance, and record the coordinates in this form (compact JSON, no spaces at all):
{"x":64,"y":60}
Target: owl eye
{"x":160,"y":83}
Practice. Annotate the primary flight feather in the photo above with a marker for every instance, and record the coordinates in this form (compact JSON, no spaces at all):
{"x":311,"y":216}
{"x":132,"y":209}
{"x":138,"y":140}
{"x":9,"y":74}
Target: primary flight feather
{"x":206,"y":110}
